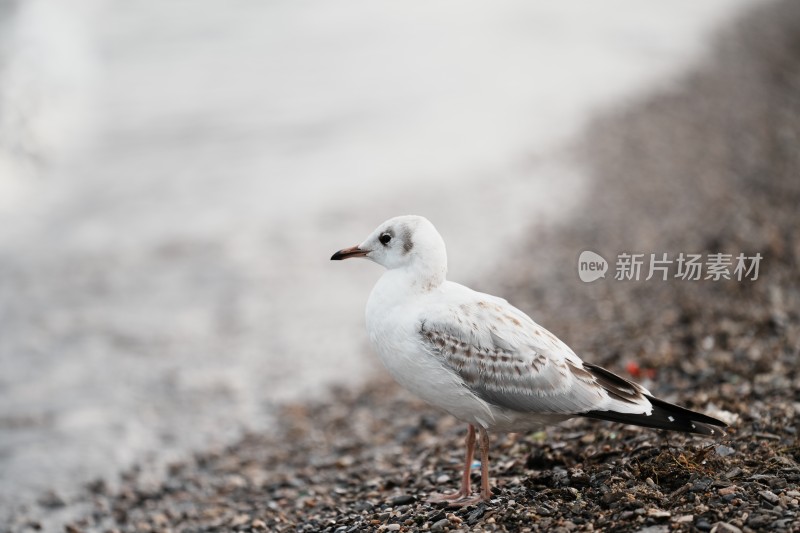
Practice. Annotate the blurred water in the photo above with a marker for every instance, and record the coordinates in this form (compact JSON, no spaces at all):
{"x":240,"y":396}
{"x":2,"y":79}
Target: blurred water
{"x":175,"y":175}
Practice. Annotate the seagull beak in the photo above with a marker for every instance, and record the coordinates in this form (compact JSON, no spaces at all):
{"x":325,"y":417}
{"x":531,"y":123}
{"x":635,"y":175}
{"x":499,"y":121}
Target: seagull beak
{"x":353,"y":251}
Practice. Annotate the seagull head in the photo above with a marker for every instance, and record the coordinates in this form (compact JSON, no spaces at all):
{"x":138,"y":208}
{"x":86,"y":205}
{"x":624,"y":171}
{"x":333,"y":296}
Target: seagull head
{"x":402,"y":242}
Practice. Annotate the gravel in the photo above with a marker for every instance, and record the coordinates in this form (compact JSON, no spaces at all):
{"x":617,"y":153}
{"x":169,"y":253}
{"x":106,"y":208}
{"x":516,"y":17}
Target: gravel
{"x":711,"y":165}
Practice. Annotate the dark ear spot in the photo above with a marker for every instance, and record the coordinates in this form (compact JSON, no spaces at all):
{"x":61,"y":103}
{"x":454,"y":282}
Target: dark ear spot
{"x":408,"y":244}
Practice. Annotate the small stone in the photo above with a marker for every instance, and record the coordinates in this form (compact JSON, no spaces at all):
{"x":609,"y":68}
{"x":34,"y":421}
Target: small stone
{"x":727,"y":490}
{"x":444,"y":478}
{"x":240,"y":520}
{"x":403,"y":499}
{"x":759,"y":521}
{"x":611,"y":497}
{"x":708,"y":342}
{"x":345,"y":461}
{"x":98,"y":486}
{"x":684,"y":519}
{"x":454,"y":519}
{"x":769,"y":496}
{"x":732,"y":473}
{"x":258,"y":524}
{"x":725,"y":527}
{"x":658,"y":513}
{"x":51,"y":500}
{"x":440,"y":525}
{"x":363,"y":506}
{"x":393,"y":527}
{"x":724,"y":451}
{"x":700,"y":485}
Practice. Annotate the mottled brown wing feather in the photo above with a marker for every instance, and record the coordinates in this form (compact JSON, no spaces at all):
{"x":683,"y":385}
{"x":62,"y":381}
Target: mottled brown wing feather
{"x":509,"y":361}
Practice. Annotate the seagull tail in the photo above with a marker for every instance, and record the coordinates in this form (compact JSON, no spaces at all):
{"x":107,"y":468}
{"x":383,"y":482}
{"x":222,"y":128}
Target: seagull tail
{"x":665,"y":416}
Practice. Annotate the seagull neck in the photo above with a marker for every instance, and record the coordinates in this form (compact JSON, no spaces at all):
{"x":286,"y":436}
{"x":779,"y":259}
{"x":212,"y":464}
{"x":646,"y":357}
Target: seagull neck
{"x":419,"y":278}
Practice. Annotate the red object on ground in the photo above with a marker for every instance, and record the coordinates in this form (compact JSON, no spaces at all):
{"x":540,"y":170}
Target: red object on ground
{"x":638,"y":372}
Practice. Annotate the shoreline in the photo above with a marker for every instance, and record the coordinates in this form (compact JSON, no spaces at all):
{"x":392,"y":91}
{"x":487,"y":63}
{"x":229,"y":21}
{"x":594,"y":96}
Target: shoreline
{"x":721,"y":146}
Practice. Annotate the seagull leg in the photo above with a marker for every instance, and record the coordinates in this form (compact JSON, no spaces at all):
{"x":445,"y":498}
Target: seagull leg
{"x":485,"y":493}
{"x":464,"y":491}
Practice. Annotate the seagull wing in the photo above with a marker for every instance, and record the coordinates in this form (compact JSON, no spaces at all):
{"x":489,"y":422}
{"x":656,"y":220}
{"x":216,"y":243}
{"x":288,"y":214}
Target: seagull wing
{"x":510,"y":361}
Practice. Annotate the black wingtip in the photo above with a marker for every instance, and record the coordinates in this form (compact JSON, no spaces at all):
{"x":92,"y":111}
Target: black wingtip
{"x":666,"y":416}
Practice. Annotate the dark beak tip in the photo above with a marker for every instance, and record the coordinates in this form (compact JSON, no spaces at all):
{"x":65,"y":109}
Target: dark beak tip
{"x":355,"y":251}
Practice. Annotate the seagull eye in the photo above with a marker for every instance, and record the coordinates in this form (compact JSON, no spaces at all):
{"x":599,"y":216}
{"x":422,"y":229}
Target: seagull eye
{"x":385,"y":238}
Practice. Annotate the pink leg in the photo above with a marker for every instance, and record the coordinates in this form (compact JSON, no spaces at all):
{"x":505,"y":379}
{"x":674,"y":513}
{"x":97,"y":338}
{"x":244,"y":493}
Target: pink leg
{"x":465,"y":489}
{"x":462,"y":498}
{"x":486,"y":492}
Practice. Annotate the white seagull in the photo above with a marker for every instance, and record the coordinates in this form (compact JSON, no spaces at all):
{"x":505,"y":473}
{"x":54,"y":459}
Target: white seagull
{"x":483,"y":360}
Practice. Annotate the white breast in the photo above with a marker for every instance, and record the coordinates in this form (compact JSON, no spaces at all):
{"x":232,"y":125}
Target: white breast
{"x":393,"y":326}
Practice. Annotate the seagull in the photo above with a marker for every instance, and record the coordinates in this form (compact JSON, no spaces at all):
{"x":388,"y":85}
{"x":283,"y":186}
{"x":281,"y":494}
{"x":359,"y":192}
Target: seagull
{"x":484,"y":361}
